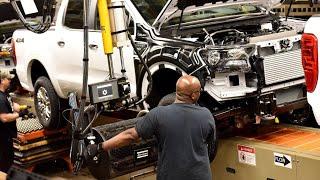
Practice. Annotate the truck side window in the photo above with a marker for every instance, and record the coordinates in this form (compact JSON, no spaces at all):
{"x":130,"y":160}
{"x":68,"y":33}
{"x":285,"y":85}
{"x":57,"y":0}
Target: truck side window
{"x":149,"y":9}
{"x":74,"y":14}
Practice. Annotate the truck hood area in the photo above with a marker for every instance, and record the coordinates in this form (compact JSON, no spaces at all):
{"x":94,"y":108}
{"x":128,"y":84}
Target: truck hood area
{"x":175,"y":8}
{"x":182,"y":4}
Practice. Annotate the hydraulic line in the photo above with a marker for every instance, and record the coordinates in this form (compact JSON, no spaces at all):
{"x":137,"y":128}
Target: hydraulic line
{"x":147,"y":69}
{"x":47,"y":16}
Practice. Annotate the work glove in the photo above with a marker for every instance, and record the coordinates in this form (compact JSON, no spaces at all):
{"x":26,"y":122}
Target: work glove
{"x":31,"y":115}
{"x":94,"y":150}
{"x":23,"y":113}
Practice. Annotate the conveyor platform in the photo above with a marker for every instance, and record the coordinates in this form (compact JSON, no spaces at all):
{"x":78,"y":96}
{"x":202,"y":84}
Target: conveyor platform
{"x":35,"y":145}
{"x":280,"y":152}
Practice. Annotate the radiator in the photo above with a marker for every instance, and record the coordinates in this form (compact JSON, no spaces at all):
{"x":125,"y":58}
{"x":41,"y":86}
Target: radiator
{"x":282,"y":67}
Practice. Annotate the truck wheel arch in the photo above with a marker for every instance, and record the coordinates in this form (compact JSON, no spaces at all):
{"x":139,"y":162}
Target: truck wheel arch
{"x":165,"y":72}
{"x":37,"y":70}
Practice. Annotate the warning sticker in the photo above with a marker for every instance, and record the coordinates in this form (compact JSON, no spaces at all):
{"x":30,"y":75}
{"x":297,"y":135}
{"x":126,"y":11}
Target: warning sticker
{"x":247,"y":155}
{"x":282,"y":160}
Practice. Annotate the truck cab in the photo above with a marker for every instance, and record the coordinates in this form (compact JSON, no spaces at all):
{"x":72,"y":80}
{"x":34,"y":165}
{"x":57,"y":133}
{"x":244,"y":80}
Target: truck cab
{"x":246,"y":57}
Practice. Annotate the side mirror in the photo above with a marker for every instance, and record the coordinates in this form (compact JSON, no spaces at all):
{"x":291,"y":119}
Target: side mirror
{"x":141,"y":32}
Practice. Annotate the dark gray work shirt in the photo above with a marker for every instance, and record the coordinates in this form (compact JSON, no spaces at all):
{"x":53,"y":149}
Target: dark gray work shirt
{"x":7,"y":130}
{"x":182,"y":131}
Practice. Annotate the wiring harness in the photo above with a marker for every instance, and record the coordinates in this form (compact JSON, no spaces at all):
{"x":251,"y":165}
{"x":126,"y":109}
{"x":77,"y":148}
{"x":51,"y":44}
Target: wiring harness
{"x":48,"y":10}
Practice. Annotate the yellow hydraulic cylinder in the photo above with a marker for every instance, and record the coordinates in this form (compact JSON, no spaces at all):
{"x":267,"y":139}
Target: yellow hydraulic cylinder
{"x":105,"y":26}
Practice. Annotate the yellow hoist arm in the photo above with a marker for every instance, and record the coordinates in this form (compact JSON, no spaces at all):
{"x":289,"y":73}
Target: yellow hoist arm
{"x":105,"y":26}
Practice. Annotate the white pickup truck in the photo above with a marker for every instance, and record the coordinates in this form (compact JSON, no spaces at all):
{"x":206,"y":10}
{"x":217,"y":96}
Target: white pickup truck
{"x":247,"y":58}
{"x":310,"y":60}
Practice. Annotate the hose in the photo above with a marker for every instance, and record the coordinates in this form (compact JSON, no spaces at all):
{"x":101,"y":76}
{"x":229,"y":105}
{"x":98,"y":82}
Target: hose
{"x":147,"y":69}
{"x":47,"y":16}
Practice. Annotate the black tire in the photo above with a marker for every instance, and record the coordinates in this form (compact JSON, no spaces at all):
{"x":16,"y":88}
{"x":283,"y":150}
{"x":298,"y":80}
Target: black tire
{"x":52,"y":121}
{"x":167,"y":99}
{"x":161,"y":86}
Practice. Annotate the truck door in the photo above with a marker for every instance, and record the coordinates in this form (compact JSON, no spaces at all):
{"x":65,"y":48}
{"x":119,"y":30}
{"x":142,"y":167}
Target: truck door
{"x":70,"y":48}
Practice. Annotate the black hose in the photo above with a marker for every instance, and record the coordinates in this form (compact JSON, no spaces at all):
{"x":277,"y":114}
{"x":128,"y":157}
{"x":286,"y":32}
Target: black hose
{"x":147,"y":69}
{"x":47,"y":16}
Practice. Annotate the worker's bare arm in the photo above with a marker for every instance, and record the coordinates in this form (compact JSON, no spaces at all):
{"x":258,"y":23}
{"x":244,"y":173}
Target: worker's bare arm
{"x":8,"y":117}
{"x":122,"y":139}
{"x":16,"y":107}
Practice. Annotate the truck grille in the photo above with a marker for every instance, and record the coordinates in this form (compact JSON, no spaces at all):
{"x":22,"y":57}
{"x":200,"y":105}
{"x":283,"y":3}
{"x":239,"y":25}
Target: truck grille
{"x":282,"y":67}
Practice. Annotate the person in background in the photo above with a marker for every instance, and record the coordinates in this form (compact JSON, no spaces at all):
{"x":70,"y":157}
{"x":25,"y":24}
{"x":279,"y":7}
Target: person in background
{"x":9,"y":112}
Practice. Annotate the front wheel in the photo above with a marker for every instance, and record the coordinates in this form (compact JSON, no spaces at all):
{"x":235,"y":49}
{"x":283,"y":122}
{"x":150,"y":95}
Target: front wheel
{"x":47,"y":103}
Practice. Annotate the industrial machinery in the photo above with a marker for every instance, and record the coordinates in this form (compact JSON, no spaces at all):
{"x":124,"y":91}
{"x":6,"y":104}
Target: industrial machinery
{"x":109,"y":95}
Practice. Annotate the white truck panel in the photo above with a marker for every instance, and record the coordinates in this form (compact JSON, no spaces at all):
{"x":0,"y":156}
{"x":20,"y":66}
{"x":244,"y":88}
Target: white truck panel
{"x":63,"y":62}
{"x":312,"y":26}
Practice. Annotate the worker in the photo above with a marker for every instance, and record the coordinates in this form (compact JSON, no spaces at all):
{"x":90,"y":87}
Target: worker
{"x":182,"y":130}
{"x":9,"y":112}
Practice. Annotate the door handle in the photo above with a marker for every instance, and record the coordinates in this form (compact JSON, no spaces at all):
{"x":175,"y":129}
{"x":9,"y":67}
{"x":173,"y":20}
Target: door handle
{"x":93,"y":46}
{"x":61,"y":43}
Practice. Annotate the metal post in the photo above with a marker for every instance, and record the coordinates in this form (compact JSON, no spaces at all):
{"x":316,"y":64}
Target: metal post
{"x":110,"y":64}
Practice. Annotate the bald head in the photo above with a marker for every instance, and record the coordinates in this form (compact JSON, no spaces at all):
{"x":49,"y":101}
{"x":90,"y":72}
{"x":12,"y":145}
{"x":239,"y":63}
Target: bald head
{"x":187,"y":89}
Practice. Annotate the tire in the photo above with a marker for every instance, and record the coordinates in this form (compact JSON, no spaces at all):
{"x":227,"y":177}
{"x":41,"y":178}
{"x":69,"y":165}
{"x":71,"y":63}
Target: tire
{"x":47,"y":103}
{"x":163,"y":83}
{"x":167,"y":99}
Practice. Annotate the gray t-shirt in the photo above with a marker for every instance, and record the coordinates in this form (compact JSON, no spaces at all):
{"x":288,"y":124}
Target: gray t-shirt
{"x":182,"y":131}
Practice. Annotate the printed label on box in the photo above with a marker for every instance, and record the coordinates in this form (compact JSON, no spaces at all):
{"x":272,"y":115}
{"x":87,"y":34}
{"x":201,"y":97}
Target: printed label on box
{"x":247,"y":155}
{"x":282,"y":160}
